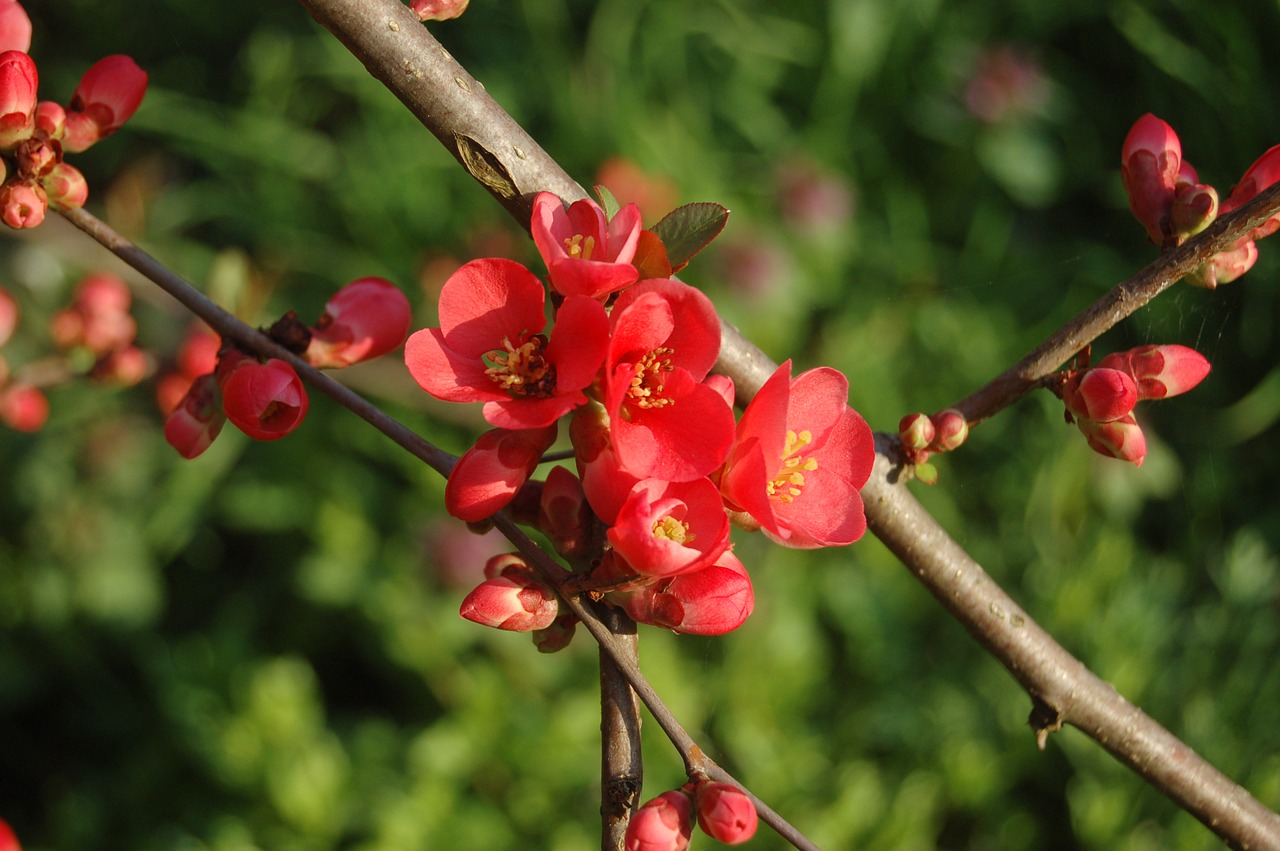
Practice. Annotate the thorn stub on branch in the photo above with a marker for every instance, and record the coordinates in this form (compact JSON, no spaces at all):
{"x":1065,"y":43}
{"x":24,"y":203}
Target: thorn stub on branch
{"x":1044,"y":719}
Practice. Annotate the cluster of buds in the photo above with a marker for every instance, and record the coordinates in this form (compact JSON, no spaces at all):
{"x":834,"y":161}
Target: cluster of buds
{"x":723,"y":811}
{"x":265,"y":399}
{"x":1168,"y":199}
{"x":95,"y":338}
{"x":34,"y":134}
{"x":1100,"y":399}
{"x":661,"y":466}
{"x":922,"y":436}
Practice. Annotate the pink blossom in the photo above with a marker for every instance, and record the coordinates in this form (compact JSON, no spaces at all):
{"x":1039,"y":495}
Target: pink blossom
{"x":585,"y":253}
{"x":15,"y":26}
{"x":491,"y":473}
{"x":489,"y":347}
{"x":1150,"y":161}
{"x":725,"y":812}
{"x":666,"y":423}
{"x":800,"y":456}
{"x":264,"y":400}
{"x":366,"y":318}
{"x":512,"y":601}
{"x":18,"y":83}
{"x":665,"y":528}
{"x":662,"y":824}
{"x":196,"y":420}
{"x":108,"y":95}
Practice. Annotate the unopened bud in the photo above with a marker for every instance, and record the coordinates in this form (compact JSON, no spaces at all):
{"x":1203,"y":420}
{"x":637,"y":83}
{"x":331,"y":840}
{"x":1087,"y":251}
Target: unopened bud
{"x":51,"y":119}
{"x":916,"y":431}
{"x":18,"y":82}
{"x":1150,"y":161}
{"x":438,"y":10}
{"x":1226,"y":266}
{"x":366,"y":318}
{"x":1264,"y":172}
{"x":108,"y":95}
{"x":66,"y":187}
{"x":22,"y":204}
{"x":8,"y":840}
{"x":23,"y":407}
{"x":1122,"y":438}
{"x":512,"y":602}
{"x":1161,"y":371}
{"x":8,"y":316}
{"x":15,"y":34}
{"x":554,"y":638}
{"x":1195,"y":206}
{"x":951,"y":430}
{"x":192,"y":426}
{"x":662,"y":824}
{"x":264,"y":400}
{"x":1101,"y":394}
{"x":488,"y":476}
{"x":725,"y":812}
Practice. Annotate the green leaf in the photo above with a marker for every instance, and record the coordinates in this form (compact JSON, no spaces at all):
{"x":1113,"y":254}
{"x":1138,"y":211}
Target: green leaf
{"x":688,"y":229}
{"x":610,"y":204}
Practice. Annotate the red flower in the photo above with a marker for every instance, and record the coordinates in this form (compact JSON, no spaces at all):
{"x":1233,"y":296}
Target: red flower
{"x":585,"y":254}
{"x":665,"y":422}
{"x":264,"y":400}
{"x":491,"y":473}
{"x":366,"y":318}
{"x":489,"y":346}
{"x":800,"y":457}
{"x":108,"y":95}
{"x":665,"y":528}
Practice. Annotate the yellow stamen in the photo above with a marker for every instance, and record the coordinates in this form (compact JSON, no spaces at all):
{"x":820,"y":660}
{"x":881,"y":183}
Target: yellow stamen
{"x":523,"y":370}
{"x":646,"y":390}
{"x":789,"y":482}
{"x":579,"y":246}
{"x":673,"y":530}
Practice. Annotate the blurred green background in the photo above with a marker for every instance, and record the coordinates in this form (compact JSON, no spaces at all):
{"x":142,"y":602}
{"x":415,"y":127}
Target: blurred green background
{"x":260,"y":649}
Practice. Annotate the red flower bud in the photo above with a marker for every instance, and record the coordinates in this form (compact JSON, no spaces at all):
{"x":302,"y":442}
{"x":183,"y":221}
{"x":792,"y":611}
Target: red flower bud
{"x":15,"y":31}
{"x":1195,"y":206}
{"x":725,"y":813}
{"x":951,"y":430}
{"x":1122,"y":438}
{"x":8,"y":316}
{"x":108,"y":95}
{"x":438,"y":10}
{"x":489,"y":474}
{"x":662,"y":824}
{"x":23,"y":407}
{"x":1263,"y":173}
{"x":1150,"y":161}
{"x":1101,"y":394}
{"x":366,"y":318}
{"x":51,"y":119}
{"x":1160,"y":371}
{"x":196,"y":421}
{"x":916,"y":431}
{"x":264,"y":400}
{"x":18,"y":81}
{"x":65,"y":187}
{"x":8,"y":841}
{"x":511,"y":601}
{"x":710,"y":601}
{"x":22,"y":204}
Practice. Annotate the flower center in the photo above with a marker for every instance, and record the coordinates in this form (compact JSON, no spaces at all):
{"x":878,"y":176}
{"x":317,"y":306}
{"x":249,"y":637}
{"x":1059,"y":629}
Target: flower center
{"x":789,"y":482}
{"x":523,"y":370}
{"x":646,"y":390}
{"x":673,"y":530}
{"x":580,"y":246}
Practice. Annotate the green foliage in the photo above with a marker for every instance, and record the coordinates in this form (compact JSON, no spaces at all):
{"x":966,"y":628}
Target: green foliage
{"x":260,"y":649}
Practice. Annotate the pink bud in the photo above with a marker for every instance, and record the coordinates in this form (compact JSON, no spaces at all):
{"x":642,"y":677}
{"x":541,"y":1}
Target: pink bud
{"x":8,"y":316}
{"x":8,"y":841}
{"x":489,"y":474}
{"x":1101,"y":394}
{"x":662,"y":824}
{"x":108,"y":95}
{"x":710,"y":601}
{"x":22,"y":204}
{"x":951,"y":429}
{"x":1264,"y":172}
{"x":66,"y":187}
{"x":725,"y":812}
{"x":18,"y":81}
{"x":1150,"y":161}
{"x":512,"y":602}
{"x":1195,"y":206}
{"x":556,"y":637}
{"x":1122,"y":438}
{"x":196,"y":421}
{"x":15,"y":27}
{"x":51,"y":119}
{"x":1161,"y":371}
{"x":438,"y":10}
{"x":366,"y":318}
{"x":916,"y":431}
{"x":125,"y":366}
{"x":564,"y":513}
{"x":264,"y":400}
{"x":23,"y":407}
{"x":34,"y":157}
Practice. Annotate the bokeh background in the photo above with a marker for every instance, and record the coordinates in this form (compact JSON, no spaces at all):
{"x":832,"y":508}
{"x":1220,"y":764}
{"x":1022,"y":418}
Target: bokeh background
{"x":260,"y":649}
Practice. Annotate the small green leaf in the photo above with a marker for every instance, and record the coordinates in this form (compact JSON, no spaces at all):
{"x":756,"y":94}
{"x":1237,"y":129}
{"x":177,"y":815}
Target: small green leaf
{"x":610,"y":204}
{"x":688,"y":229}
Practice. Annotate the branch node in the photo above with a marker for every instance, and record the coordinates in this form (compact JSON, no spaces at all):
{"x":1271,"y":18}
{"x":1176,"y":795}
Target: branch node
{"x":1044,"y":719}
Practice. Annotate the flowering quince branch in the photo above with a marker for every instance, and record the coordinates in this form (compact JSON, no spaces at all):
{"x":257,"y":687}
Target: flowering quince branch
{"x":1063,"y":691}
